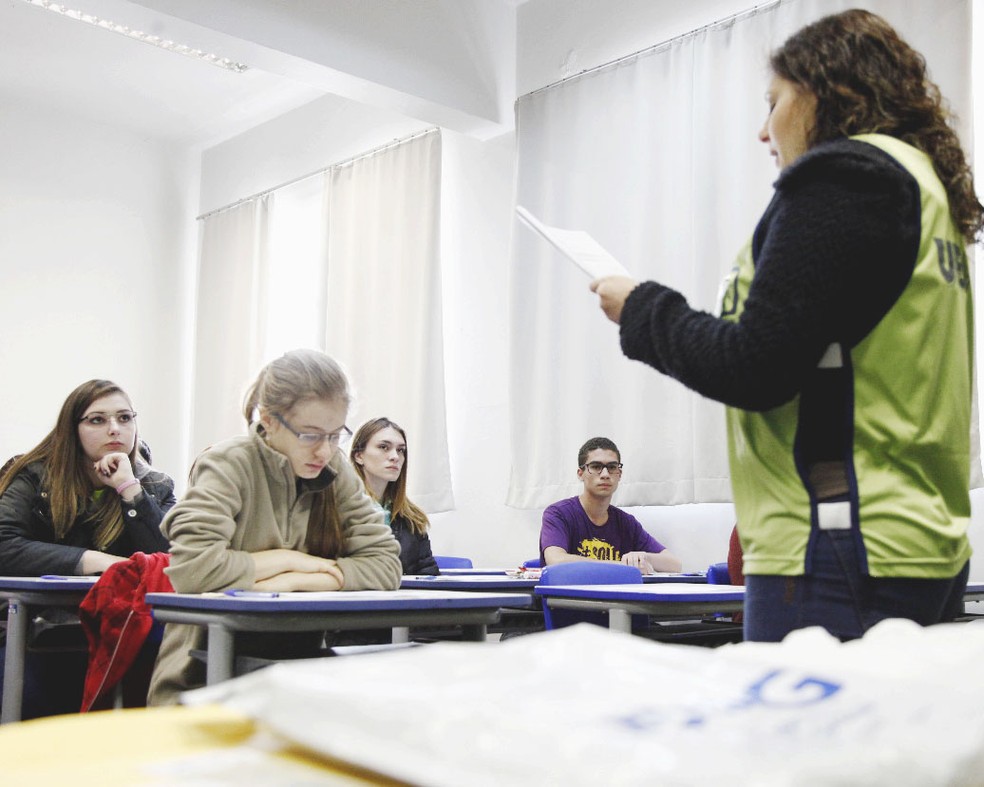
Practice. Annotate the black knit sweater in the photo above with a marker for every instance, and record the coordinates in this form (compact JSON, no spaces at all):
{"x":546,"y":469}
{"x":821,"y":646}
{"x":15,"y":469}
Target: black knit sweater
{"x":833,"y":252}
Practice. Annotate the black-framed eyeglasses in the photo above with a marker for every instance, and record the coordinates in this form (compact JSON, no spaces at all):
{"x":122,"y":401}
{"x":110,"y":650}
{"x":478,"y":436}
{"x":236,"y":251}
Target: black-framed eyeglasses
{"x":595,"y":468}
{"x":317,"y":438}
{"x":122,"y":418}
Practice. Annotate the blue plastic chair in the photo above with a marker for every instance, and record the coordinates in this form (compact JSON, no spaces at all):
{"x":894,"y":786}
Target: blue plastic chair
{"x":447,"y":561}
{"x":585,"y":572}
{"x":717,"y":574}
{"x":532,"y":563}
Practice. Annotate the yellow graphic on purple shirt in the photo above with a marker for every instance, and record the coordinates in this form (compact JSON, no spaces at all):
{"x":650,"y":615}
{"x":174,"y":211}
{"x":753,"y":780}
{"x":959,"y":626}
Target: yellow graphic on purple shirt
{"x":597,"y":549}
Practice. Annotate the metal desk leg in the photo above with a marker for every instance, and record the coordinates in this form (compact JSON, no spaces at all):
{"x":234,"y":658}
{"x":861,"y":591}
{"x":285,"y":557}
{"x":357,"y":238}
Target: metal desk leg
{"x":475,"y":633}
{"x":620,"y":620}
{"x":401,"y":635}
{"x":13,"y":665}
{"x":220,"y":654}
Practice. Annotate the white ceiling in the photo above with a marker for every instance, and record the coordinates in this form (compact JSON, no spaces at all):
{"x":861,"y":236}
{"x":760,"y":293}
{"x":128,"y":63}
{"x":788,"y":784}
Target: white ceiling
{"x":72,"y":69}
{"x":450,"y":62}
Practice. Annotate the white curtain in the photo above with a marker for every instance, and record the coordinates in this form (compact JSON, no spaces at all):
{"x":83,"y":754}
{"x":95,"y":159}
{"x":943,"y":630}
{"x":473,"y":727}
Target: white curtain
{"x":657,"y":157}
{"x":384,"y":300}
{"x":231,"y":319}
{"x":297,"y":283}
{"x":347,"y":261}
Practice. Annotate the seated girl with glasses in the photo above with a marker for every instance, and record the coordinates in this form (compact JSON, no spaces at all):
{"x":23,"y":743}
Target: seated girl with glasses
{"x":379,"y":456}
{"x":278,"y":509}
{"x":78,"y":502}
{"x":83,"y":498}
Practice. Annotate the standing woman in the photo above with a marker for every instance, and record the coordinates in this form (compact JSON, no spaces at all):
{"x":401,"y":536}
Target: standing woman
{"x":844,"y":349}
{"x":79,"y":501}
{"x":379,"y":455}
{"x":279,"y":509}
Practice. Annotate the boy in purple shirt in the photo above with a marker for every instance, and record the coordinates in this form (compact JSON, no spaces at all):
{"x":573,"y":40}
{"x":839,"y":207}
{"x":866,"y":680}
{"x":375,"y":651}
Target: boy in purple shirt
{"x":588,"y":527}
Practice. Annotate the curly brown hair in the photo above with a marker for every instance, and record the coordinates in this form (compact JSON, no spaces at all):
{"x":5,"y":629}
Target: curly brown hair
{"x":868,"y":80}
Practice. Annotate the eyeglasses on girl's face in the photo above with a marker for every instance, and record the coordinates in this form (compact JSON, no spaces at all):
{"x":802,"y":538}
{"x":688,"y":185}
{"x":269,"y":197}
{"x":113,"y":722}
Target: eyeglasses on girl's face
{"x":97,"y":419}
{"x":311,"y":439}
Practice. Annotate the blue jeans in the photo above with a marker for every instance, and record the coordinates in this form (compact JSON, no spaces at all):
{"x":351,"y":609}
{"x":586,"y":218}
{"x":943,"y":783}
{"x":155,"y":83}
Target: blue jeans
{"x":840,"y":597}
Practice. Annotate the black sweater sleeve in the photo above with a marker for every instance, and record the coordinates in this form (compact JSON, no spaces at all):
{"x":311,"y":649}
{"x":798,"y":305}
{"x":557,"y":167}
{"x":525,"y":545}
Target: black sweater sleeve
{"x":27,"y":541}
{"x":833,"y":252}
{"x":143,"y":516}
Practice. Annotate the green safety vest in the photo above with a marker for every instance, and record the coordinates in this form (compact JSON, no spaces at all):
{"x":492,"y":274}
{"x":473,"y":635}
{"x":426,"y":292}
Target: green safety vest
{"x":909,"y":468}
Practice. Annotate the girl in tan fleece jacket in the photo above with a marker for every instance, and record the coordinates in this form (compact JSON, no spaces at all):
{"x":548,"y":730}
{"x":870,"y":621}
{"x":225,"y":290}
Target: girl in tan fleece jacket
{"x":279,"y":509}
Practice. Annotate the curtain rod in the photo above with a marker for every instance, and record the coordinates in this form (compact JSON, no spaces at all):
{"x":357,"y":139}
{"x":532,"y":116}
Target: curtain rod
{"x":345,"y":163}
{"x":655,"y":47}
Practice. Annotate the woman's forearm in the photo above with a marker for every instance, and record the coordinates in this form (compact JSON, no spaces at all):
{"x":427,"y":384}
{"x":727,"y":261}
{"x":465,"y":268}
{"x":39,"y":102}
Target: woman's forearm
{"x":299,"y":580}
{"x":273,"y":562}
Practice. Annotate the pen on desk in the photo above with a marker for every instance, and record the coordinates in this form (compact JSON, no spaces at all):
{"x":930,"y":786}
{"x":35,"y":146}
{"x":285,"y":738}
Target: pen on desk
{"x":251,"y":594}
{"x":54,"y":576}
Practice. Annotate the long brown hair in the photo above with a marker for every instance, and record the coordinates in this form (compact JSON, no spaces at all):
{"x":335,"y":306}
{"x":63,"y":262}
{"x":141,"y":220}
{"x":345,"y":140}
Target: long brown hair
{"x":66,"y":477}
{"x":868,"y":80}
{"x":294,"y":377}
{"x":395,"y":494}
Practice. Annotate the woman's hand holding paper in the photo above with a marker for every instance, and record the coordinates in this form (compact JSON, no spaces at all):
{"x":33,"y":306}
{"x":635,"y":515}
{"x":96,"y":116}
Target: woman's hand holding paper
{"x":612,"y":292}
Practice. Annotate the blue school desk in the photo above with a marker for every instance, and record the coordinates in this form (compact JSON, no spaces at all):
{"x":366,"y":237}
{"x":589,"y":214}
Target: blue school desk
{"x":470,"y":582}
{"x":463,"y":572}
{"x":502,"y":582}
{"x":511,"y":621}
{"x":515,"y":621}
{"x":361,"y":609}
{"x":23,"y":596}
{"x":974,"y":591}
{"x":661,"y":600}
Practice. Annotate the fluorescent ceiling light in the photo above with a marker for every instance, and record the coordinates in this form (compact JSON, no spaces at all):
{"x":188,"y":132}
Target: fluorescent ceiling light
{"x":161,"y":43}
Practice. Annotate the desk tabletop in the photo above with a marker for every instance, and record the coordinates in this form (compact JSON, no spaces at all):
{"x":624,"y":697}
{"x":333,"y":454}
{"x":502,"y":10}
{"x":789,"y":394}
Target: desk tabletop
{"x":663,"y":592}
{"x":49,"y":582}
{"x":690,"y":578}
{"x":508,"y":583}
{"x":471,"y":572}
{"x":468,"y":582}
{"x":345,"y":601}
{"x":974,"y":591}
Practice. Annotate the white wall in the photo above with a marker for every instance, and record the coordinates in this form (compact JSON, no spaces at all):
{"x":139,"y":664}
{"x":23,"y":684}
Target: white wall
{"x":305,"y":140}
{"x":96,"y":254}
{"x":560,"y":38}
{"x":477,"y":199}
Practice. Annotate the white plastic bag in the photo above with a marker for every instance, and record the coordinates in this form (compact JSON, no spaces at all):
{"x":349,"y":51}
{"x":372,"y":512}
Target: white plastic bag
{"x":585,"y":706}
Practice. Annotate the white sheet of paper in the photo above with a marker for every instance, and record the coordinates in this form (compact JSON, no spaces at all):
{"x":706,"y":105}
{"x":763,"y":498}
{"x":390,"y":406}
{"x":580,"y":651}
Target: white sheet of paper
{"x":579,"y":247}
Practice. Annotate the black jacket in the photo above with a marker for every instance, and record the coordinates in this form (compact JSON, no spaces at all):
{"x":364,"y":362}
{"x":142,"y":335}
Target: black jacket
{"x":833,"y":252}
{"x":28,"y":546}
{"x":415,"y":548}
